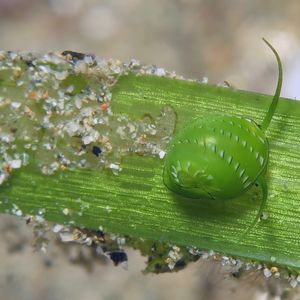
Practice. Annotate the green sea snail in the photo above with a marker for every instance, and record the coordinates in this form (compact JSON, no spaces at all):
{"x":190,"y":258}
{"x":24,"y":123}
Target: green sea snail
{"x":221,"y":157}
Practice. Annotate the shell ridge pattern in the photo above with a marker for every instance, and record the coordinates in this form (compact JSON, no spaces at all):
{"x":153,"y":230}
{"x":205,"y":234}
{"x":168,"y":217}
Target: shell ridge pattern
{"x":229,"y":135}
{"x":218,"y":144}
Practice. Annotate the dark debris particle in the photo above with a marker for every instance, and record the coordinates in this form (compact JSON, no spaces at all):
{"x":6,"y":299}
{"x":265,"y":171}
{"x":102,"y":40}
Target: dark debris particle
{"x":118,"y":257}
{"x":96,"y":150}
{"x":74,"y":55}
{"x":100,"y":236}
{"x":157,"y":267}
{"x":48,"y":262}
{"x":153,"y":248}
{"x":180,"y":264}
{"x":29,"y":63}
{"x":236,"y":274}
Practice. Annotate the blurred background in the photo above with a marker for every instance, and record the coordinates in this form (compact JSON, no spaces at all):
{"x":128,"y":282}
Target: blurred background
{"x":220,"y":40}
